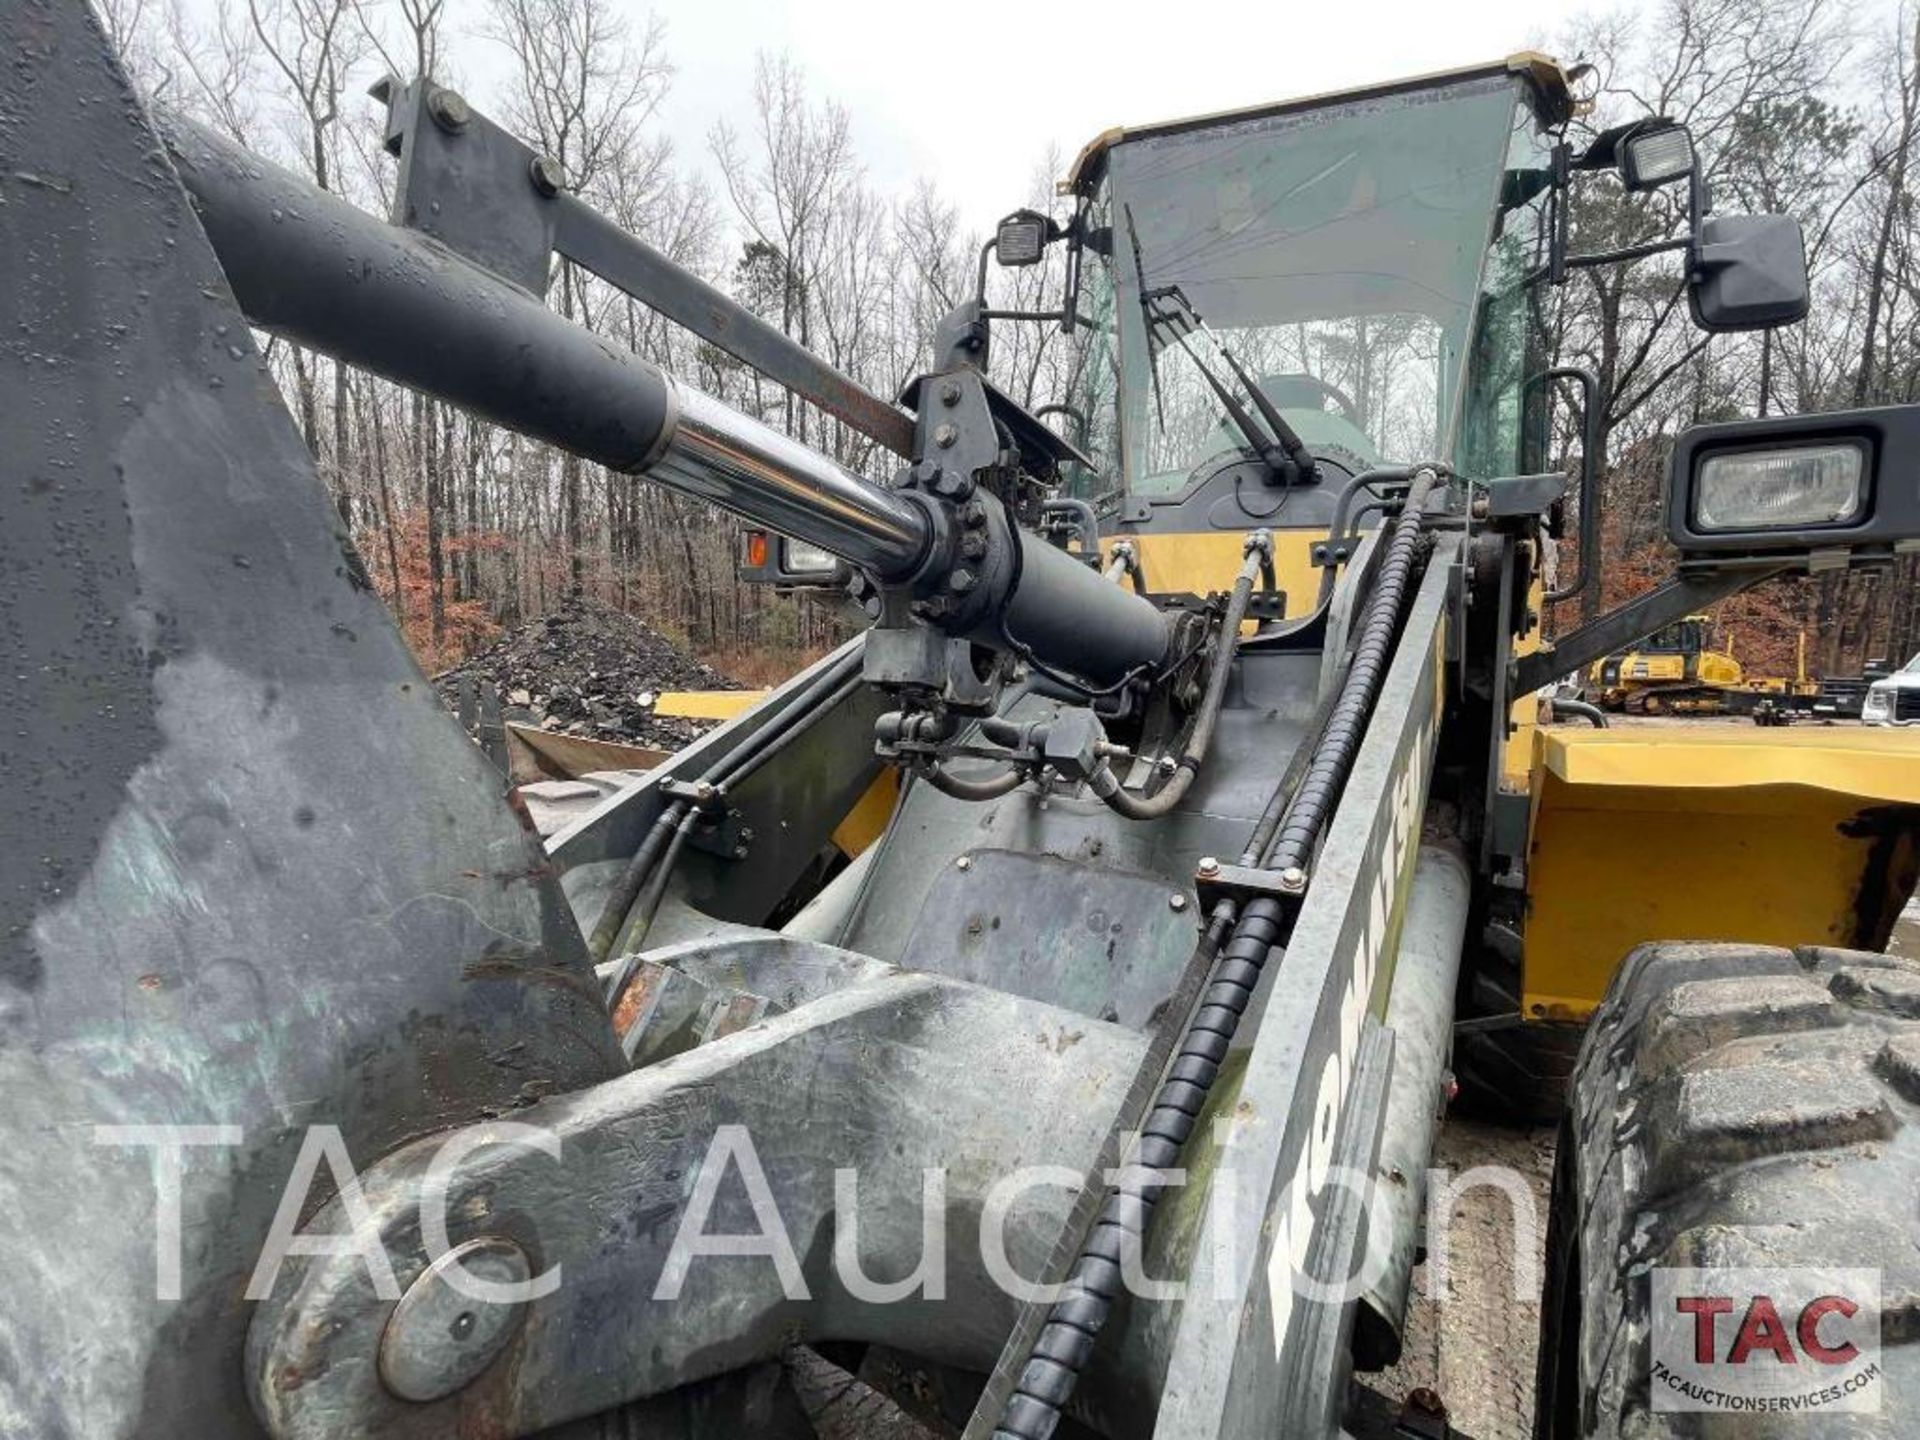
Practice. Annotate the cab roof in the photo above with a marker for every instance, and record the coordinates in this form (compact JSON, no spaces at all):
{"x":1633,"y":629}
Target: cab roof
{"x":1552,"y":89}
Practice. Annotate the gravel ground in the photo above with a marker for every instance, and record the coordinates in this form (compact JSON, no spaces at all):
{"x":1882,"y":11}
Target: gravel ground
{"x":1474,"y":1345}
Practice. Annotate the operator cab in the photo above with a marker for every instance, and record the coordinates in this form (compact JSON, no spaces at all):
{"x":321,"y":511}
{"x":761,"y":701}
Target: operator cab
{"x":1683,"y":637}
{"x":1351,"y":269}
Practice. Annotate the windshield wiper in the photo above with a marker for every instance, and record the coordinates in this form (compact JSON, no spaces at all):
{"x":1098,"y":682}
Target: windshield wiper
{"x":1148,"y":318}
{"x":1284,"y":452}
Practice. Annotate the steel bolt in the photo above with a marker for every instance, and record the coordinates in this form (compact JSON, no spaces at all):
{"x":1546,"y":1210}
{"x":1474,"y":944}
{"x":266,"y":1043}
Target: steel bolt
{"x":1208,"y":866}
{"x":1482,"y":507}
{"x":962,"y":580}
{"x":549,"y":176}
{"x":944,"y":435}
{"x":965,"y":862}
{"x":1176,"y":902}
{"x":950,"y":392}
{"x":1293,"y":879}
{"x":973,"y":545}
{"x":449,"y":109}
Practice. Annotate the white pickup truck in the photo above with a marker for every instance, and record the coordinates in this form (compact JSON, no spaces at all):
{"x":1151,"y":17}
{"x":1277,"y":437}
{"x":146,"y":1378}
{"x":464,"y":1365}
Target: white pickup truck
{"x":1894,"y":699}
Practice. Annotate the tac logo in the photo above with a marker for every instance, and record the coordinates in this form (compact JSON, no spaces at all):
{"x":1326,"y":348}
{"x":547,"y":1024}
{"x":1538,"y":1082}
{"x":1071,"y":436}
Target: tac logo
{"x":1765,"y":1341}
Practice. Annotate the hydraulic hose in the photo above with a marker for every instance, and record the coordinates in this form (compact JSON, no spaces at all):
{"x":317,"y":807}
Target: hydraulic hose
{"x":1162,"y":801}
{"x":613,"y":916}
{"x":820,"y":695}
{"x":1366,"y":480}
{"x":1568,"y":709}
{"x":1333,"y":756}
{"x":1075,"y":1321}
{"x":1125,"y":565}
{"x":641,"y":919}
{"x":1270,"y":816}
{"x":1004,"y":782}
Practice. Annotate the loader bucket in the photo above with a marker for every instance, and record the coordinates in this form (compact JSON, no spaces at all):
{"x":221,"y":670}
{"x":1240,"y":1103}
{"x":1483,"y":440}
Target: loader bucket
{"x":255,"y":880}
{"x":1711,"y":832}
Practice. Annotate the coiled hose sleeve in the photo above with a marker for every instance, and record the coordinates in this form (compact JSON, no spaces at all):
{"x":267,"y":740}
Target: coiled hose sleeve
{"x":1075,"y":1321}
{"x":1307,"y":811}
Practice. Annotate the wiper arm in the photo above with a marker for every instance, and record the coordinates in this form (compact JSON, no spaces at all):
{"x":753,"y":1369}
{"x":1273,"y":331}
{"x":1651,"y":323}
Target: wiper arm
{"x":1286,"y":453}
{"x":1148,"y":318}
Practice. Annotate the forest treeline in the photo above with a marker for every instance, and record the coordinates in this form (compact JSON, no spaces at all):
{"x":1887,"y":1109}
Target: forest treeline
{"x":1811,"y":107}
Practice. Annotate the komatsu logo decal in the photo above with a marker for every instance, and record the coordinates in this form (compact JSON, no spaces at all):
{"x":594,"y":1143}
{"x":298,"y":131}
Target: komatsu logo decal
{"x":1390,"y":856}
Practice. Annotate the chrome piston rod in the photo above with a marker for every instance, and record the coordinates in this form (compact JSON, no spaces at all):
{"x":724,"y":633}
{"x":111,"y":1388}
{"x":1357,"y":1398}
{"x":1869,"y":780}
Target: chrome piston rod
{"x":321,"y":272}
{"x":309,"y":266}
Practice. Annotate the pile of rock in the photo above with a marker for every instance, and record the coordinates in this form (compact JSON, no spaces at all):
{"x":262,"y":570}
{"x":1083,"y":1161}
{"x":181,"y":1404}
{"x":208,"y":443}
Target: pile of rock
{"x":589,"y":669}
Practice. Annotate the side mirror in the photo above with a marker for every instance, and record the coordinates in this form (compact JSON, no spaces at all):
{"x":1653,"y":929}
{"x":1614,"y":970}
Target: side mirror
{"x":1836,"y":488}
{"x":1749,"y":273}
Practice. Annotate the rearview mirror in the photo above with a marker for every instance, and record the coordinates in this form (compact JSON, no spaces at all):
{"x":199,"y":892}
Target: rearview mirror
{"x":1749,"y":273}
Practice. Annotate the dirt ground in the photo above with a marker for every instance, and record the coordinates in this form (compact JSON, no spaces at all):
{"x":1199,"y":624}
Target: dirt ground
{"x":1474,"y":1345}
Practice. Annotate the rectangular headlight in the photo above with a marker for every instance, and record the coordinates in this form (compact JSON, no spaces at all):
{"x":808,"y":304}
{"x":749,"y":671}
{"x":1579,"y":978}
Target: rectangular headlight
{"x":1786,"y":489}
{"x":800,"y":558}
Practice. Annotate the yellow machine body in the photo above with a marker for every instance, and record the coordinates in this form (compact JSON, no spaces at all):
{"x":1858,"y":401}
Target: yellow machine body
{"x":1710,"y":832}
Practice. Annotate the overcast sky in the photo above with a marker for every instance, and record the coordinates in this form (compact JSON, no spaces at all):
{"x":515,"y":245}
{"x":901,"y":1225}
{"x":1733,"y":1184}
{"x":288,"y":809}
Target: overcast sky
{"x":975,"y":106}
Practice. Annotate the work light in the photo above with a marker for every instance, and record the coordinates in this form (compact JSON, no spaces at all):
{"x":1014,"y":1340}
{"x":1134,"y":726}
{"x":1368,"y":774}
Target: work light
{"x":1794,"y":487}
{"x":1021,"y":238}
{"x":800,"y":558}
{"x":1656,"y":156}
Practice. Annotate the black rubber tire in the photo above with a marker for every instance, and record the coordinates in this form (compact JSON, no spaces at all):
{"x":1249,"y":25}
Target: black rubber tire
{"x":1732,"y":1105}
{"x":1517,"y":1076}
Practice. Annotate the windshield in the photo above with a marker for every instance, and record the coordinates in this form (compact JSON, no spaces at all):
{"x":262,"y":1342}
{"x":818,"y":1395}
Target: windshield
{"x":1337,"y":252}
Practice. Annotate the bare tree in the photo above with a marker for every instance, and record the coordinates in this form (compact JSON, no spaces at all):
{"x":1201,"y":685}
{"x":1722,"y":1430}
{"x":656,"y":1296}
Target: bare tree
{"x":585,"y":86}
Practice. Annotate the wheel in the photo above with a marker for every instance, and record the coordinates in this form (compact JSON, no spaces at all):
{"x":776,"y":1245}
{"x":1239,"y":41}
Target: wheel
{"x":1733,"y":1105}
{"x":1517,"y":1076}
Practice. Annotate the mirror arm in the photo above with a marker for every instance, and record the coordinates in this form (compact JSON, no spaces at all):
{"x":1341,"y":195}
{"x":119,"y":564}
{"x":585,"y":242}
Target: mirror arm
{"x":980,"y":284}
{"x":1070,"y":302}
{"x":1556,"y":272}
{"x":1626,"y":253}
{"x":1591,"y":414}
{"x":1559,"y":262}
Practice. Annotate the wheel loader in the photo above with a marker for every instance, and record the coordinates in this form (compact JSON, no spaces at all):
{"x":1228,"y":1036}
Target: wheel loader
{"x":1051,"y":993}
